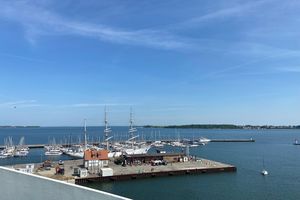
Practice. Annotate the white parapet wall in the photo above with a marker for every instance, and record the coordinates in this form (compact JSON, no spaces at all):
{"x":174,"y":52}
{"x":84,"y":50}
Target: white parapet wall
{"x":15,"y":185}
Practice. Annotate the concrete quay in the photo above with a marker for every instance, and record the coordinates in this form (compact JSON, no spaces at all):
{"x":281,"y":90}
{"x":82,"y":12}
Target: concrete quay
{"x":131,"y":172}
{"x":128,"y":172}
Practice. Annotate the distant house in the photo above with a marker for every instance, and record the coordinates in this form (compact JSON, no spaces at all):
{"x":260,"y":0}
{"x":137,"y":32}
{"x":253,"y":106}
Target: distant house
{"x":94,"y":160}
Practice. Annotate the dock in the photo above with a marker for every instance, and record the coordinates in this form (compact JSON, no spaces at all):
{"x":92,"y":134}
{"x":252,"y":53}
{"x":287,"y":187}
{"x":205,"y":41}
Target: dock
{"x":201,"y":166}
{"x":134,"y":171}
{"x":232,"y":140}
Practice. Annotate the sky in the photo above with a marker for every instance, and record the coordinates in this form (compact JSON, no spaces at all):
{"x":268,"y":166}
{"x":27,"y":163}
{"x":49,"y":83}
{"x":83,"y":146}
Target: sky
{"x":173,"y":62}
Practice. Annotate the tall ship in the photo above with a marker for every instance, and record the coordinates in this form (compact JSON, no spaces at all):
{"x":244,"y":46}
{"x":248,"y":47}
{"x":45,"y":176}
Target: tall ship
{"x":135,"y":147}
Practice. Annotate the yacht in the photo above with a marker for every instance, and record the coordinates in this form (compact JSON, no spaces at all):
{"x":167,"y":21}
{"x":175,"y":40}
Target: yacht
{"x":77,"y":151}
{"x":21,"y":149}
{"x":9,"y":149}
{"x":53,"y":152}
{"x":52,"y":149}
{"x":203,"y":140}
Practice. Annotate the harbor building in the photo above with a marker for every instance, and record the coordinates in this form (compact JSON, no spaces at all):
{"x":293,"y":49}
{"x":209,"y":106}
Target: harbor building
{"x":94,"y":160}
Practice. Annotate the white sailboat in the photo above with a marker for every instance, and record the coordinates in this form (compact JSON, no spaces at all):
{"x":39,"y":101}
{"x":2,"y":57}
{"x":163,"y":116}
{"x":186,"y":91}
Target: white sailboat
{"x":264,"y":172}
{"x":9,"y":149}
{"x":135,"y":148}
{"x":53,"y":149}
{"x":77,"y":151}
{"x":21,"y":149}
{"x":113,"y":150}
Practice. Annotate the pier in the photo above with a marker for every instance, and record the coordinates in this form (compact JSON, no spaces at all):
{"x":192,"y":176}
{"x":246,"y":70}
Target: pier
{"x":201,"y":166}
{"x":132,"y":172}
{"x":232,"y":140}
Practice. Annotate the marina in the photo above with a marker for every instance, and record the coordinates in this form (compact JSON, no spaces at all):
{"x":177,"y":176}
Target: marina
{"x":40,"y":146}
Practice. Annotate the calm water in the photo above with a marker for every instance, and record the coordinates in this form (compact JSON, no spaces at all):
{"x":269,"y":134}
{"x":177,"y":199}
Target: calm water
{"x":282,"y":160}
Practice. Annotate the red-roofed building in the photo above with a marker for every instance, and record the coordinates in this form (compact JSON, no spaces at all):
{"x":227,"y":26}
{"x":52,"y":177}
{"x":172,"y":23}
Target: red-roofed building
{"x":94,"y":160}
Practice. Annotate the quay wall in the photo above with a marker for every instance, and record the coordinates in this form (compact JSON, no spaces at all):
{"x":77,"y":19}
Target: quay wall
{"x":81,"y":181}
{"x":17,"y":185}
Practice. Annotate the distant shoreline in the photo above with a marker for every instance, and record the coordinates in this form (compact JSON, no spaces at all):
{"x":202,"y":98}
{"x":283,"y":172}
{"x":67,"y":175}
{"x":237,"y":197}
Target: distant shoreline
{"x":19,"y":126}
{"x":224,"y":126}
{"x":186,"y":126}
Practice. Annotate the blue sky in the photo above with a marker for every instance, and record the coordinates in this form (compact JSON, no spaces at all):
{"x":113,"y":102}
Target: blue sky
{"x":174,"y":62}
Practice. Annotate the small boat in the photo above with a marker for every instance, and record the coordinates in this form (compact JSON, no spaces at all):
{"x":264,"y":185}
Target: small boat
{"x":53,"y":152}
{"x":21,"y":153}
{"x":296,"y":142}
{"x":204,"y":141}
{"x":264,"y":172}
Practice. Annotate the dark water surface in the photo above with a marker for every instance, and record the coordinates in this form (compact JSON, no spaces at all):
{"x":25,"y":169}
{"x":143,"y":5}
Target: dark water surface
{"x":282,"y":160}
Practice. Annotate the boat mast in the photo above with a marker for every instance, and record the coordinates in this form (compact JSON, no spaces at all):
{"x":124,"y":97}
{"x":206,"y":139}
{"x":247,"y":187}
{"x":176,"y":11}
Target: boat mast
{"x":85,"y":140}
{"x":107,"y":129}
{"x":132,"y":130}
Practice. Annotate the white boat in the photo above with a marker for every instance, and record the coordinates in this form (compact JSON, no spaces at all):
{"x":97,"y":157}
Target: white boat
{"x":134,"y":147}
{"x":53,"y":153}
{"x":114,"y":154}
{"x":264,"y":172}
{"x":204,"y":140}
{"x":21,"y":153}
{"x":76,"y":151}
{"x":296,"y":142}
{"x":157,"y":144}
{"x":21,"y":149}
{"x":137,"y":150}
{"x":9,"y":149}
{"x":53,"y":149}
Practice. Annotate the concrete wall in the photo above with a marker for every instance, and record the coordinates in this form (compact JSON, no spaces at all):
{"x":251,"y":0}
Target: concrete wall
{"x":16,"y":185}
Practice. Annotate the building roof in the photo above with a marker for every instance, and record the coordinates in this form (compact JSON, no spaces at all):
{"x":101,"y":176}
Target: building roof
{"x":92,"y":154}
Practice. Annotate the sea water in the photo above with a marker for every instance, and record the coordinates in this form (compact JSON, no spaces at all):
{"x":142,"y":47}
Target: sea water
{"x":275,"y":147}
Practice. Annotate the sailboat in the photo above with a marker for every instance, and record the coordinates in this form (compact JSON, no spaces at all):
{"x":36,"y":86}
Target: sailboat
{"x":53,"y":149}
{"x":21,"y":149}
{"x":296,"y":142}
{"x":135,"y":148}
{"x":77,"y":151}
{"x":264,"y":172}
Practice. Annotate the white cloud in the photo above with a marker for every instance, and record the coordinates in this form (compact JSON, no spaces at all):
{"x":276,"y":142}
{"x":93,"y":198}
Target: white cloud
{"x":38,"y":21}
{"x":240,"y":9}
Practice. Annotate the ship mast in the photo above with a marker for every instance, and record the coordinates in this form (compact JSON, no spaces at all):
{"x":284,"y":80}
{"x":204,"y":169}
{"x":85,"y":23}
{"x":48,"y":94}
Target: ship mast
{"x":132,"y":130}
{"x":85,"y":139}
{"x":107,"y":130}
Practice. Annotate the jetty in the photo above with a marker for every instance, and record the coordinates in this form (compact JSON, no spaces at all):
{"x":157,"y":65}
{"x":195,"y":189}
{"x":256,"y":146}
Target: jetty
{"x":130,"y":172}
